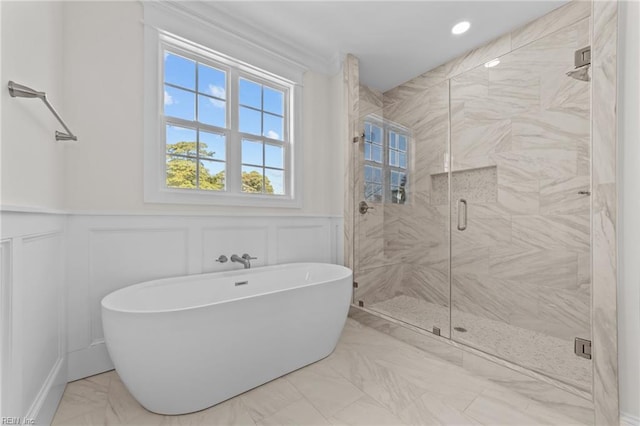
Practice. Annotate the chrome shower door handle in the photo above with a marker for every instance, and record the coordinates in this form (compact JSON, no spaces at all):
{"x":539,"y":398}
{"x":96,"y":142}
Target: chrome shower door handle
{"x":462,"y":214}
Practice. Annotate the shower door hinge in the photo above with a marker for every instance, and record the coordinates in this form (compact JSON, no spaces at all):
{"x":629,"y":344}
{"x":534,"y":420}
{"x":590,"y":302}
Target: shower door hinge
{"x":583,"y":348}
{"x":582,"y":57}
{"x":355,"y":284}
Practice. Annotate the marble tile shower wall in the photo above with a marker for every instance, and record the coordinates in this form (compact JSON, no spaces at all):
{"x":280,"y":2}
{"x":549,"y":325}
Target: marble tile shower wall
{"x":524,"y":259}
{"x":407,"y":246}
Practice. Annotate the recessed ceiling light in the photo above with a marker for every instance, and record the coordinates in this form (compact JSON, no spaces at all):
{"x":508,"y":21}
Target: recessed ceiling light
{"x":492,"y":63}
{"x":460,"y":27}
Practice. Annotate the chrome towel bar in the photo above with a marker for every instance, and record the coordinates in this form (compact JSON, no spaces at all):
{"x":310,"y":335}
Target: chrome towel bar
{"x":19,"y":91}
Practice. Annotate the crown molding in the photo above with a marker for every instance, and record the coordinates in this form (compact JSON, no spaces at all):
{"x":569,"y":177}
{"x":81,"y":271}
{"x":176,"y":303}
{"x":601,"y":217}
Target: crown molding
{"x":214,"y":15}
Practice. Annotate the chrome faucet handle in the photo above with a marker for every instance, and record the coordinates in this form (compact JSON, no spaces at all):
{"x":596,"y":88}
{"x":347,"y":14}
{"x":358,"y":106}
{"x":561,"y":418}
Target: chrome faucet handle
{"x":222,"y":258}
{"x":247,"y":256}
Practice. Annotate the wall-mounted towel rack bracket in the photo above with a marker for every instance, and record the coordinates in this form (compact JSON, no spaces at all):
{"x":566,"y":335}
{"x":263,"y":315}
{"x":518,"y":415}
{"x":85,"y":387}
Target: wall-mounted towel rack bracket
{"x":19,"y":91}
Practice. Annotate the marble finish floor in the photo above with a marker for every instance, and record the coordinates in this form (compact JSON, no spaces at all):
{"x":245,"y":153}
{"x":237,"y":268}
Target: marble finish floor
{"x":537,"y":351}
{"x":370,"y":379}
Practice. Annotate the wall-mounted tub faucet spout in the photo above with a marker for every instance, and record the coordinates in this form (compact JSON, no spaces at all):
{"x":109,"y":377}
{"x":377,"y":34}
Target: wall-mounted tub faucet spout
{"x":245,"y":260}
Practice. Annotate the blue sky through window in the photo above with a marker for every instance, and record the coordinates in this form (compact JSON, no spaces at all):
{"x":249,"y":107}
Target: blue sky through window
{"x":179,"y":71}
{"x":261,"y":110}
{"x":197,"y":93}
{"x":181,"y":103}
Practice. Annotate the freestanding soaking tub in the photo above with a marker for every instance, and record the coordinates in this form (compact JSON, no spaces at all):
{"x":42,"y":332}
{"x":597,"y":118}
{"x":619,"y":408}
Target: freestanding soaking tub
{"x":184,"y":344}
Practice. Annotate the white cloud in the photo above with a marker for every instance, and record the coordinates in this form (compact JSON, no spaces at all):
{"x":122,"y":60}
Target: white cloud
{"x":218,"y":92}
{"x":273,"y":135}
{"x":168,"y":99}
{"x":217,"y":103}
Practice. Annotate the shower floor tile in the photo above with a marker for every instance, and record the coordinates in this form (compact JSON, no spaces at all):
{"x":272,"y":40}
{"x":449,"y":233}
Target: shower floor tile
{"x":370,"y":379}
{"x":414,"y":311}
{"x":543,"y":353}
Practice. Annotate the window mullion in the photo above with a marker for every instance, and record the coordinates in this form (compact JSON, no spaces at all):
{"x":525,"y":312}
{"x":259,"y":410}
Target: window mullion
{"x":234,"y":170}
{"x":288,"y":149}
{"x":288,"y":167}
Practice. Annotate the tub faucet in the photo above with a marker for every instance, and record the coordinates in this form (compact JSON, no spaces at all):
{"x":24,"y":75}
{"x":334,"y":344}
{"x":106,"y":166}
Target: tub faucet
{"x":245,"y":260}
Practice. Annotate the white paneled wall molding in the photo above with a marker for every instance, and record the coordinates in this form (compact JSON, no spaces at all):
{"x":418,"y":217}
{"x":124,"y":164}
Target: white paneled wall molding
{"x":33,"y":350}
{"x":108,"y":252}
{"x":55,"y":268}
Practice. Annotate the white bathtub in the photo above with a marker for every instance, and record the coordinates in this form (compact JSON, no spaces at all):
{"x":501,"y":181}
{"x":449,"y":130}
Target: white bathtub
{"x":184,"y":344}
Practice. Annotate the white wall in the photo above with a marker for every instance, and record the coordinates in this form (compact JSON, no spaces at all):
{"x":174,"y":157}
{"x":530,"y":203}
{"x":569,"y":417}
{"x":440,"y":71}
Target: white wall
{"x":32,"y":164}
{"x":104,"y":94}
{"x":33,"y":329}
{"x":629,"y":206}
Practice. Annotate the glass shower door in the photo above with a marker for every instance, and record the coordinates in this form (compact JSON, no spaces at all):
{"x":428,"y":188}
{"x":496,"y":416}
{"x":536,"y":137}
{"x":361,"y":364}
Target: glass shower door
{"x":520,"y":253}
{"x":402,"y":239}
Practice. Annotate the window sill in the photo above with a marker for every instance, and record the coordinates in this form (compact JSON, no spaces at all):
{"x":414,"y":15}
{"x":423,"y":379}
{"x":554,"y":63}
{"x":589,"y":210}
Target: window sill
{"x":197,"y":197}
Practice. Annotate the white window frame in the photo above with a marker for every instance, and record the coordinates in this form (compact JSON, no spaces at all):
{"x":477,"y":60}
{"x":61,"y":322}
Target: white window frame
{"x":156,"y":40}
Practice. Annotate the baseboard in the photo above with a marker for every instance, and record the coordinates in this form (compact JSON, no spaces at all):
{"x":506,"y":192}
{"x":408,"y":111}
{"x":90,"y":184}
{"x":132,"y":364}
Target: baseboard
{"x":627,"y":419}
{"x":46,"y":403}
{"x":89,"y":362}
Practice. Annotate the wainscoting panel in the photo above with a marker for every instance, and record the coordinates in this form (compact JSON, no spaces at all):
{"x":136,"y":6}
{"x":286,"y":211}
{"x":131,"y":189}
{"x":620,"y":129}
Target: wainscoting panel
{"x":33,"y":347}
{"x":6,"y":326}
{"x":122,"y":257}
{"x":109,"y":252}
{"x":41,"y":293}
{"x":310,"y":243}
{"x":253,"y":240}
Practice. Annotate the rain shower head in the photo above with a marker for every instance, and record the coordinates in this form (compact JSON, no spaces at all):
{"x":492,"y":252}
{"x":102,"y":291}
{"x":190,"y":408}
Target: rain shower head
{"x":581,"y":73}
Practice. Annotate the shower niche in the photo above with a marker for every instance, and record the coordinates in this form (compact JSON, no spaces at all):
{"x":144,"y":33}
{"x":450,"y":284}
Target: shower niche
{"x":491,"y":244}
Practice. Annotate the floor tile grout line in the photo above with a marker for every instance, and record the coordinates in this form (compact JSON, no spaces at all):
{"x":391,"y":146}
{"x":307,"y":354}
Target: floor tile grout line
{"x":316,"y":408}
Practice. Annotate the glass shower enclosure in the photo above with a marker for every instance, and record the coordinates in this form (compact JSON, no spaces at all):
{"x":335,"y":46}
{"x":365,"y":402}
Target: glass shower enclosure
{"x":473,"y":207}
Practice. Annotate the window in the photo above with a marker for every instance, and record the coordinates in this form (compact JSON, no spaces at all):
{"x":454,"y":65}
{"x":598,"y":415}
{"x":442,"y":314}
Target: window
{"x":397,"y":166}
{"x":226,"y":131}
{"x":195,"y":124}
{"x":262,"y":122}
{"x":385,"y":161}
{"x":373,"y":153}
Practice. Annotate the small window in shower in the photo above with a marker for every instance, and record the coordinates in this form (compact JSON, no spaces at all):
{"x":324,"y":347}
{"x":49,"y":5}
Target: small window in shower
{"x":397,"y":167}
{"x":386,"y":147}
{"x":373,"y":143}
{"x":373,"y":183}
{"x":373,"y":153}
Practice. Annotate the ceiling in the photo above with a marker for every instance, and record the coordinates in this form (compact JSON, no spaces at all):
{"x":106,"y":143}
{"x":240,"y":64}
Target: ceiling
{"x":394,"y":40}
